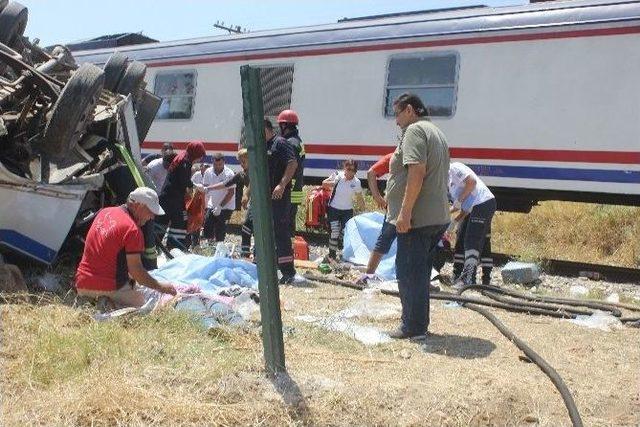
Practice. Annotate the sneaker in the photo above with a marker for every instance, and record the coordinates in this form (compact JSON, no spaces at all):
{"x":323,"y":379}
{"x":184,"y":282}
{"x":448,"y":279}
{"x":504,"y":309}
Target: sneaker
{"x":286,"y":280}
{"x":399,"y":334}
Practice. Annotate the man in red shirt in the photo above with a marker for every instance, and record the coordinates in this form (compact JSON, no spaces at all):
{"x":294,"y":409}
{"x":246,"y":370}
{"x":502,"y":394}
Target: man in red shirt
{"x":388,"y":232}
{"x":112,"y":252}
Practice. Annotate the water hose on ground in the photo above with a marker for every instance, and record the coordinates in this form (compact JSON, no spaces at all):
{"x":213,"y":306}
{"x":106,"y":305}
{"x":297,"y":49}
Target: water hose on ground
{"x":539,"y":306}
{"x":555,"y":378}
{"x":613,"y":308}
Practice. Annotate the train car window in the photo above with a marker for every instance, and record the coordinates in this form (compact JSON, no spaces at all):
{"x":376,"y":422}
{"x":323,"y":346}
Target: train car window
{"x":432,"y":76}
{"x":177,"y":90}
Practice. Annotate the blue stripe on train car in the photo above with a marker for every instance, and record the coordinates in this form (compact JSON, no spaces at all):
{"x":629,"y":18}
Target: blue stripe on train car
{"x":558,"y":173}
{"x":502,"y":171}
{"x":27,"y":245}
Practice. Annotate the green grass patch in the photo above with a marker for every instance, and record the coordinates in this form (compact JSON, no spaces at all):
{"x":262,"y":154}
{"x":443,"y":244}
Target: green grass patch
{"x":62,"y":344}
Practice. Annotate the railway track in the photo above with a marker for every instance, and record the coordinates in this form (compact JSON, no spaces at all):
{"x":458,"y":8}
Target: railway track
{"x":557,"y":267}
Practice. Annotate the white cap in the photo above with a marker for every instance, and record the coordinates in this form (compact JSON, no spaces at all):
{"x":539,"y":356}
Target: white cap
{"x":147,"y":197}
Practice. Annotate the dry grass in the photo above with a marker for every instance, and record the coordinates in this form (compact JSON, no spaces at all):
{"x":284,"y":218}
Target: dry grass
{"x":572,"y":231}
{"x":59,"y":367}
{"x":580,"y":232}
{"x":559,"y":230}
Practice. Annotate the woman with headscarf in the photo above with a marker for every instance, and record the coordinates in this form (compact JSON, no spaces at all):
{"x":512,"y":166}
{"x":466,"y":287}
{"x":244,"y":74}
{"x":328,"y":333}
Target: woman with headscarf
{"x":178,"y":184}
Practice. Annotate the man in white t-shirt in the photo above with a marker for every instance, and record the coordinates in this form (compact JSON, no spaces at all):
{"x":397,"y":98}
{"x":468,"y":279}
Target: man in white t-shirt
{"x":346,"y":186}
{"x":198,"y":176}
{"x":220,"y":203}
{"x":157,"y":169}
{"x":476,"y":206}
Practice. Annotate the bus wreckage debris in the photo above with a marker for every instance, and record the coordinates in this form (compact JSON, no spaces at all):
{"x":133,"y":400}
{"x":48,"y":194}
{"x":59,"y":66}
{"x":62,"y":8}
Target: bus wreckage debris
{"x":69,"y":138}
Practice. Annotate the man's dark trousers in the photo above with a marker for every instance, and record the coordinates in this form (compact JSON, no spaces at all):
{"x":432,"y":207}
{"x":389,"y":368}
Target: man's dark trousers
{"x":414,"y":261}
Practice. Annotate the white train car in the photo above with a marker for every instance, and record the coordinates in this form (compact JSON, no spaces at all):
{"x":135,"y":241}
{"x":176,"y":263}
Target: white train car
{"x":542,"y":100}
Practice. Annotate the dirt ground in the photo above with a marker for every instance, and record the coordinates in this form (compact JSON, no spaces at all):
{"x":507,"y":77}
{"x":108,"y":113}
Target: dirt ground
{"x":59,"y":367}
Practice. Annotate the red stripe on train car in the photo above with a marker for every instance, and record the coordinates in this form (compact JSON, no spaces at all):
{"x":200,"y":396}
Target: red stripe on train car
{"x":576,"y":156}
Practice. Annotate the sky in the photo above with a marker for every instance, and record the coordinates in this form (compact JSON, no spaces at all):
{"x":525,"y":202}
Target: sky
{"x":63,"y":21}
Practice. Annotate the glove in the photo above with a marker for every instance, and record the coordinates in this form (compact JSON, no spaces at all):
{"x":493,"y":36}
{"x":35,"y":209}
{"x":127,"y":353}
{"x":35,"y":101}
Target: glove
{"x":216,"y":211}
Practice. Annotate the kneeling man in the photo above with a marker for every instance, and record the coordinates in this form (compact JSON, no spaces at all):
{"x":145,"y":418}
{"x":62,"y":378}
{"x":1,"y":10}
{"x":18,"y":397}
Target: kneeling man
{"x":112,"y":252}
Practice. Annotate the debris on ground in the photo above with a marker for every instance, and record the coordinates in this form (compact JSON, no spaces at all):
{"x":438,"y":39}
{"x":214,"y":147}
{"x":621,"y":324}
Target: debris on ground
{"x":520,"y":272}
{"x":578,"y":291}
{"x":49,"y":282}
{"x":11,"y":280}
{"x":598,"y":320}
{"x":369,"y":305}
{"x":367,"y":335}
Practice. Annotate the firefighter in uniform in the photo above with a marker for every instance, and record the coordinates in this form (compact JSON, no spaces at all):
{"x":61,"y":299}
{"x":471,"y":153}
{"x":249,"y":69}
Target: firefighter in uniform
{"x":282,"y":167}
{"x":288,"y":123}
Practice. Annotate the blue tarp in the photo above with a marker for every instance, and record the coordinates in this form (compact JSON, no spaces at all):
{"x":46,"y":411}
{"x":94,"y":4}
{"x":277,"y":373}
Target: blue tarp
{"x":360,"y":236}
{"x":210,"y":274}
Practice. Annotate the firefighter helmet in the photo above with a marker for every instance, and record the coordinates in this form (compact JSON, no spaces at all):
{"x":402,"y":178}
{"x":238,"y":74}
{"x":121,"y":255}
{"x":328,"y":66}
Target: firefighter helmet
{"x":288,"y":116}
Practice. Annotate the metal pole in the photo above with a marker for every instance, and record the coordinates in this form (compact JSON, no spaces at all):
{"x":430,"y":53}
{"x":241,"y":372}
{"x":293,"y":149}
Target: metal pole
{"x":253,"y":114}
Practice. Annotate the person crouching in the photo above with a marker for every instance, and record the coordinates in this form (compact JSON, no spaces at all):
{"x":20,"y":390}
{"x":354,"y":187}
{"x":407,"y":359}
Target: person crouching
{"x":112,"y":252}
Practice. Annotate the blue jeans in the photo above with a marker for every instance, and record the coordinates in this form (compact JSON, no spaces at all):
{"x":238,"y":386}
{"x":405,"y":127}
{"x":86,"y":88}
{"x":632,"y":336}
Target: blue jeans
{"x":414,"y":261}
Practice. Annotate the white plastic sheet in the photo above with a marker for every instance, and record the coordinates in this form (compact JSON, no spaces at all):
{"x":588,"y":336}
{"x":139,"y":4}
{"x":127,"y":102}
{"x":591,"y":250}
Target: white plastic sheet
{"x":598,"y":320}
{"x":367,"y":335}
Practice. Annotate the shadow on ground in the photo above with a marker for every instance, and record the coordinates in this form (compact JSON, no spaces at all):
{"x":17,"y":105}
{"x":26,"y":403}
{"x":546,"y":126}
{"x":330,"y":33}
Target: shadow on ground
{"x":458,"y":346}
{"x":292,"y":397}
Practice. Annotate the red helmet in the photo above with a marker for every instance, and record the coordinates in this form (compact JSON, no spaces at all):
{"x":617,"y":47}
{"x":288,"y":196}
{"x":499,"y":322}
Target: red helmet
{"x":288,"y":116}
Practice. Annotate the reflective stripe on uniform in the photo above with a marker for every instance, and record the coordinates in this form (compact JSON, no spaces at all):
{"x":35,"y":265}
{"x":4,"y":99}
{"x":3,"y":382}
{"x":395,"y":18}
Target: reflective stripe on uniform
{"x":285,"y":259}
{"x":297,"y":197}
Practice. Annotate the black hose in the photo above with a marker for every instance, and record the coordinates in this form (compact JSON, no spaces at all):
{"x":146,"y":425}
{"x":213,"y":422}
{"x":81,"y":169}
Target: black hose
{"x":610,"y":307}
{"x":473,"y":304}
{"x":540,"y":305}
{"x":555,"y":378}
{"x":445,"y":296}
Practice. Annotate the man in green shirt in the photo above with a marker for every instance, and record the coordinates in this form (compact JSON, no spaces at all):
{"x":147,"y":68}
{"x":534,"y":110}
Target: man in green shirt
{"x":418,"y":207}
